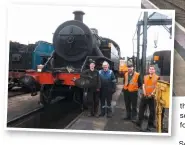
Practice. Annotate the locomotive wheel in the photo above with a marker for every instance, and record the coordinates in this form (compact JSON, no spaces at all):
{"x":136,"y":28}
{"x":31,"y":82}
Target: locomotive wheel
{"x":11,"y":84}
{"x":69,"y":96}
{"x":77,"y":96}
{"x":45,"y":94}
{"x":28,"y":83}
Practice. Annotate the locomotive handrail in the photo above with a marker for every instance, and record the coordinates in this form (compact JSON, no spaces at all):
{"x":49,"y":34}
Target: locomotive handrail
{"x":48,"y":61}
{"x":64,"y":69}
{"x":100,"y":38}
{"x":84,"y":64}
{"x":73,"y":34}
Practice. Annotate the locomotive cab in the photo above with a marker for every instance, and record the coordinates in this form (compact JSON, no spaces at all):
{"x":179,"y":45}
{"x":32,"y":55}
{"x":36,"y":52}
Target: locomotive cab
{"x":162,"y":60}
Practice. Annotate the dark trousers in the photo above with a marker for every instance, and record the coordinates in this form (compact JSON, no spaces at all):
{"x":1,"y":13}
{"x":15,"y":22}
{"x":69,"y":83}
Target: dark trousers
{"x":143,"y":106}
{"x":93,"y":101}
{"x":130,"y":103}
{"x":105,"y":95}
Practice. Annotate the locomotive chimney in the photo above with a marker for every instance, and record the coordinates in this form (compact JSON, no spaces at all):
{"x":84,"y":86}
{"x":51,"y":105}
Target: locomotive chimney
{"x":78,"y":15}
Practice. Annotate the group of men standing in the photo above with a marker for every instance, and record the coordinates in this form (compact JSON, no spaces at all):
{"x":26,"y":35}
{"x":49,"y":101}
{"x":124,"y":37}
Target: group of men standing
{"x":105,"y":84}
{"x":105,"y":87}
{"x":132,"y":84}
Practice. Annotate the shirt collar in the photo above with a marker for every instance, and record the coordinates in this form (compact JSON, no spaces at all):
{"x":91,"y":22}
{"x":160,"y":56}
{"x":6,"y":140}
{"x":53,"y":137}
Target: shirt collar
{"x":131,"y":74}
{"x":106,"y":71}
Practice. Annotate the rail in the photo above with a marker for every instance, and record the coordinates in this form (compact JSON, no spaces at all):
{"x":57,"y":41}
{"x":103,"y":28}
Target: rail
{"x":23,"y":116}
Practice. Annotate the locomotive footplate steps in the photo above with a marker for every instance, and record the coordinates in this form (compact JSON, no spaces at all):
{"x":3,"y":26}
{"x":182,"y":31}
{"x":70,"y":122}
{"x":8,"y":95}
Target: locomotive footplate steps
{"x":116,"y":123}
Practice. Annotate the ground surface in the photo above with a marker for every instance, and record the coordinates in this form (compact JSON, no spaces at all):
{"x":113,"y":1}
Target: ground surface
{"x":19,"y":105}
{"x":116,"y":123}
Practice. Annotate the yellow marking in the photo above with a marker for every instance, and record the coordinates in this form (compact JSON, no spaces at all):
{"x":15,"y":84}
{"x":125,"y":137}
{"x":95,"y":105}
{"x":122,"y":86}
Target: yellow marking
{"x":162,"y":96}
{"x":156,"y":58}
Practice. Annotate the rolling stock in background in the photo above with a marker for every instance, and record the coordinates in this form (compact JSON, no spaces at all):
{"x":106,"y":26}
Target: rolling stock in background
{"x":23,"y":58}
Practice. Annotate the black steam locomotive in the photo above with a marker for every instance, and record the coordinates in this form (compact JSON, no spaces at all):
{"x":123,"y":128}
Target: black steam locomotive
{"x":73,"y":41}
{"x":74,"y":45}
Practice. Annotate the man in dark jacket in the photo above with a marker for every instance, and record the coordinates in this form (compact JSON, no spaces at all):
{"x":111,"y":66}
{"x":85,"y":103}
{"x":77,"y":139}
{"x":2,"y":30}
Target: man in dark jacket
{"x":93,"y":92}
{"x":108,"y":85}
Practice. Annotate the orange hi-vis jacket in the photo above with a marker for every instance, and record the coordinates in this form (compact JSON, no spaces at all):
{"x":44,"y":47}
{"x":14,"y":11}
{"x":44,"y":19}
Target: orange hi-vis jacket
{"x":150,"y":83}
{"x":131,"y":86}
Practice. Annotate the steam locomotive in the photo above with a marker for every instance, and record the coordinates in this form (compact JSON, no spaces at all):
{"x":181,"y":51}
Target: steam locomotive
{"x":23,"y":58}
{"x":74,"y":45}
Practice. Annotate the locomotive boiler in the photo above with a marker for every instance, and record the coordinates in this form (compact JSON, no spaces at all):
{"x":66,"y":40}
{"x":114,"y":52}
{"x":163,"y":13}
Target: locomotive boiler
{"x":74,"y":45}
{"x":73,"y":41}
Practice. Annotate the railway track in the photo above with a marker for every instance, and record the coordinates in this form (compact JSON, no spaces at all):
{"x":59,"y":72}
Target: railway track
{"x":178,"y":5}
{"x":55,"y":116}
{"x":21,"y":119}
{"x":15,"y":93}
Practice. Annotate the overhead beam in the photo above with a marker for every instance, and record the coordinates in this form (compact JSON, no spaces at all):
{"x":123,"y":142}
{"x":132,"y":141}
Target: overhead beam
{"x":157,"y":22}
{"x":151,"y":15}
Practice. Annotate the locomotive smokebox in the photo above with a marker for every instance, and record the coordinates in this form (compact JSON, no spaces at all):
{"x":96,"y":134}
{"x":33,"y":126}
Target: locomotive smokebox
{"x":78,"y":15}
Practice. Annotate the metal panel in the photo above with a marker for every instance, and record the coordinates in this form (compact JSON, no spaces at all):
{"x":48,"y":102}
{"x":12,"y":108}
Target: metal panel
{"x":24,"y":62}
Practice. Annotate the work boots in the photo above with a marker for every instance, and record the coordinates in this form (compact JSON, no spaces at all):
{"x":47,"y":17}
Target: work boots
{"x":138,"y":123}
{"x":96,"y":115}
{"x":128,"y":117}
{"x":102,"y":112}
{"x":109,"y":112}
{"x":96,"y":111}
{"x":151,"y":126}
{"x":90,"y":113}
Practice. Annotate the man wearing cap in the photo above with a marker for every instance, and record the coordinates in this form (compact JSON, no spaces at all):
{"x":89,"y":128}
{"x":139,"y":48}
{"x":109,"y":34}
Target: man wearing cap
{"x":92,"y":93}
{"x":132,"y":83}
{"x":108,"y":83}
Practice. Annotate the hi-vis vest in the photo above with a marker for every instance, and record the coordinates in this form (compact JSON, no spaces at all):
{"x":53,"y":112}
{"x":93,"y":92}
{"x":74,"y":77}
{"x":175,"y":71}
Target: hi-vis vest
{"x":150,"y":83}
{"x":133,"y":84}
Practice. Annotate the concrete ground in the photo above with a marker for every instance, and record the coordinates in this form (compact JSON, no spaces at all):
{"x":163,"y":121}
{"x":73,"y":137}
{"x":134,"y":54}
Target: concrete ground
{"x":22,"y":104}
{"x":116,"y":123}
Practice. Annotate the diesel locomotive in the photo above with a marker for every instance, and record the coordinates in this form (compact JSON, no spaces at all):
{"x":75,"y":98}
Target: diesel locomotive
{"x":162,"y":62}
{"x":74,"y":45}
